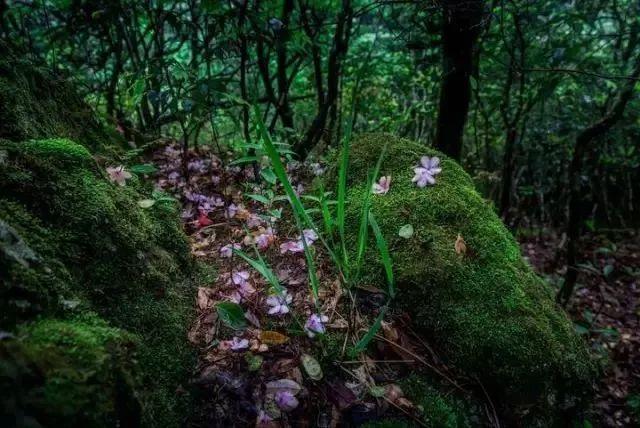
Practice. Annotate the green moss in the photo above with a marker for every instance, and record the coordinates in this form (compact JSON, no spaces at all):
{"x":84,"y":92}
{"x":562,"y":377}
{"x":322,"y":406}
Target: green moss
{"x":35,"y":103}
{"x":86,"y":244}
{"x":438,"y":409}
{"x":488,"y":312}
{"x":70,"y":373}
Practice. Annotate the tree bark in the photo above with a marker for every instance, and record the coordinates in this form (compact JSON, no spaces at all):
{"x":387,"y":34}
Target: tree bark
{"x":283,"y":106}
{"x":334,"y":70}
{"x":461,"y":26}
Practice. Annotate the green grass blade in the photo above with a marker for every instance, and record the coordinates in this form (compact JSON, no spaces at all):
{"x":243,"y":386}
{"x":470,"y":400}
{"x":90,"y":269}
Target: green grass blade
{"x":281,"y":173}
{"x":261,"y":267}
{"x":364,"y":215}
{"x":381,"y":243}
{"x":366,"y":339}
{"x":342,"y":195}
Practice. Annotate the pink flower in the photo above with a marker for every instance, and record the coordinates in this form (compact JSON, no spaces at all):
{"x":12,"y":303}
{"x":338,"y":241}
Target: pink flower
{"x":264,"y":239}
{"x":254,"y":221}
{"x":279,"y":304}
{"x":227,"y":250}
{"x":310,"y":236}
{"x":231,"y":211}
{"x":315,"y":325}
{"x":426,"y":171}
{"x":240,"y":277}
{"x":292,"y":247}
{"x":235,"y":344}
{"x":286,"y":401}
{"x":382,"y":186}
{"x":264,"y":420}
{"x":118,"y":175}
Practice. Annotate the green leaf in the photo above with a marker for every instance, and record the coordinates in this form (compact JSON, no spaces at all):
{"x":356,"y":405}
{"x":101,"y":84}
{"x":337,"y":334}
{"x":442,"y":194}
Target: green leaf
{"x":381,"y":243}
{"x":231,"y":315}
{"x":607,"y":270}
{"x":262,"y":268}
{"x":311,"y":367}
{"x":145,"y":168}
{"x":146,"y":203}
{"x":244,"y":159}
{"x":260,"y":198}
{"x":406,"y":231}
{"x":268,"y":175}
{"x":254,"y":362}
{"x":377,"y":391}
{"x":364,"y":341}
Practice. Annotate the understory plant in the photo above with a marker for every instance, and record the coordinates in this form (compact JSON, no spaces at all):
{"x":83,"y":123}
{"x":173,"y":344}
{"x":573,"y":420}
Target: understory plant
{"x":346,"y":262}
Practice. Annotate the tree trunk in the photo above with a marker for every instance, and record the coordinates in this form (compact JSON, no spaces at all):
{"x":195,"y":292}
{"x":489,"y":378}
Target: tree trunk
{"x":461,"y":26}
{"x":583,"y":146}
{"x":282,"y":36}
{"x":334,"y":70}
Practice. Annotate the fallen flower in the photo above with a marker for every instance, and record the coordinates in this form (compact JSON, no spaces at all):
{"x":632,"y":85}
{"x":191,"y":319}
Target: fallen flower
{"x":279,"y":304}
{"x":240,"y":277}
{"x":118,"y":175}
{"x":286,"y":401}
{"x":316,"y":169}
{"x":231,"y":210}
{"x":264,"y":420}
{"x":382,"y":186}
{"x":310,"y":236}
{"x":227,"y":250}
{"x":315,"y":325}
{"x":265,"y":239}
{"x":292,"y":247}
{"x":426,"y":171}
{"x":203,"y":220}
{"x":235,"y":344}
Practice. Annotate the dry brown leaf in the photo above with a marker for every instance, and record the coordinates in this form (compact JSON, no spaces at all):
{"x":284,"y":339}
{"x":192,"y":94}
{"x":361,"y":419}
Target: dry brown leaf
{"x":460,"y":246}
{"x":273,"y":337}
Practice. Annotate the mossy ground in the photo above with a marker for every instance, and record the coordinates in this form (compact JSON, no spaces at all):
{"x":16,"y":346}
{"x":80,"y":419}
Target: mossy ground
{"x":486,"y":309}
{"x":73,"y":242}
{"x":35,"y":103}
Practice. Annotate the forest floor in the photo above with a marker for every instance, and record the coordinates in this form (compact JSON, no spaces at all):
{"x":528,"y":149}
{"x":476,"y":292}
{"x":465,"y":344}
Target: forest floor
{"x":256,"y":369}
{"x":606,"y":309}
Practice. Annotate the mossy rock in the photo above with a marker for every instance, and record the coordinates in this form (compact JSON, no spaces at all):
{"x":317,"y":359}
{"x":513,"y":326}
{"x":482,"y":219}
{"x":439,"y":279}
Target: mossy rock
{"x":486,"y":309}
{"x":36,"y":103}
{"x":74,"y":373}
{"x":438,"y":407}
{"x":71,"y":242}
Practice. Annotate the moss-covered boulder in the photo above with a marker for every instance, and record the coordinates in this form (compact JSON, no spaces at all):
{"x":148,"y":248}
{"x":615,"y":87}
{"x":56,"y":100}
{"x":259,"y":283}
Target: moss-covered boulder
{"x":71,"y":243}
{"x":486,"y":309}
{"x":76,"y":373}
{"x":36,"y":103}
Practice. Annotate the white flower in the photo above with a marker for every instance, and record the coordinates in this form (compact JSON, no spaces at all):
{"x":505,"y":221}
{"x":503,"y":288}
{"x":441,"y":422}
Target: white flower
{"x":279,"y":305}
{"x":118,"y":175}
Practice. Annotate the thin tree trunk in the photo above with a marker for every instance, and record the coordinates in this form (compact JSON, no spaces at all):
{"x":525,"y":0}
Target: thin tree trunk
{"x":583,"y":146}
{"x":334,"y":70}
{"x":461,"y":26}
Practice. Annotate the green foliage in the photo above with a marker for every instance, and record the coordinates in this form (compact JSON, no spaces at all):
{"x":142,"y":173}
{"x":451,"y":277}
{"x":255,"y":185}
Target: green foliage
{"x":488,"y":312}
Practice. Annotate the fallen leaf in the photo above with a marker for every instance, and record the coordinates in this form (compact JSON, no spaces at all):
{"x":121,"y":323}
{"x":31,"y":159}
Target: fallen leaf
{"x":283,"y":385}
{"x":311,"y":366}
{"x":273,"y":337}
{"x":406,"y":231}
{"x":460,"y":246}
